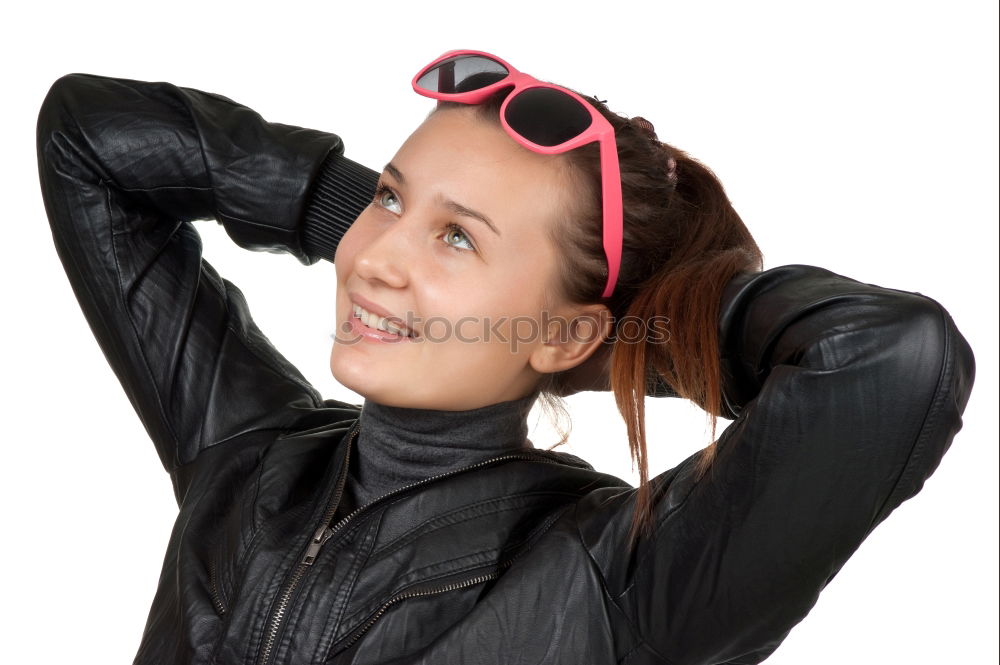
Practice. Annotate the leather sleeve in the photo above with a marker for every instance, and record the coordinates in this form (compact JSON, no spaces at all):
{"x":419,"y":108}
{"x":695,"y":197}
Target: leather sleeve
{"x":125,"y":168}
{"x":846,"y":396}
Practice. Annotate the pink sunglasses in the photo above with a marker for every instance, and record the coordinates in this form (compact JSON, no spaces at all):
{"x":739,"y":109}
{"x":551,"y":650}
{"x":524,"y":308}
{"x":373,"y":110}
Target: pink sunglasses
{"x":542,"y":117}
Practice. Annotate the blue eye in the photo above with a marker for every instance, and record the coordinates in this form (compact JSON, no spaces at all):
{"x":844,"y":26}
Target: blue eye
{"x":382,"y":191}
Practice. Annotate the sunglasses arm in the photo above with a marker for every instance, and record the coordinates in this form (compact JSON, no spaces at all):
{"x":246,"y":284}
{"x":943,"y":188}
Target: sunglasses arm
{"x":611,"y":200}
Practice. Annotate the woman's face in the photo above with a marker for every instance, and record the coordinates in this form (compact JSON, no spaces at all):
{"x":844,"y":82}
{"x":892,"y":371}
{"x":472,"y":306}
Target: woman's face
{"x":473,"y":291}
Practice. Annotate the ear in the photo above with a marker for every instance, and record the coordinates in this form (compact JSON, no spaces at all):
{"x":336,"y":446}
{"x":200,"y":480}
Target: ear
{"x":571,"y":337}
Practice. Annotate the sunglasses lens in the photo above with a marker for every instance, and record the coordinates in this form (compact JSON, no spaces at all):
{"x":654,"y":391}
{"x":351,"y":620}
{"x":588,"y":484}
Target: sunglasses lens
{"x":546,"y":116}
{"x":462,"y":74}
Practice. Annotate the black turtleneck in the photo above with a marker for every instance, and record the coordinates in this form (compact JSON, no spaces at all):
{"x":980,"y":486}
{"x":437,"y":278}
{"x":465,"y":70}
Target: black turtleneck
{"x":397,"y":446}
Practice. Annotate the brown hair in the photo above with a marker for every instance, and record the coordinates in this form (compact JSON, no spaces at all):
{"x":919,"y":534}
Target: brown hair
{"x":682,"y":243}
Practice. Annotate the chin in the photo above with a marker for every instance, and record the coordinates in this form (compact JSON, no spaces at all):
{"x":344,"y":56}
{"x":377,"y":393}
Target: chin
{"x":352,"y":380}
{"x":359,"y":377}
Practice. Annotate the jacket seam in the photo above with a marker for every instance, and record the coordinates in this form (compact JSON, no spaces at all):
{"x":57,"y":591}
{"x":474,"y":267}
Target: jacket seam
{"x":257,"y":351}
{"x":216,"y":365}
{"x":931,"y":417}
{"x":680,"y":505}
{"x":411,"y":535}
{"x":419,"y":530}
{"x":159,"y":187}
{"x":426,"y":580}
{"x":168,"y":425}
{"x":201,"y":149}
{"x":250,"y":222}
{"x":641,"y":639}
{"x":349,"y":591}
{"x":257,"y":528}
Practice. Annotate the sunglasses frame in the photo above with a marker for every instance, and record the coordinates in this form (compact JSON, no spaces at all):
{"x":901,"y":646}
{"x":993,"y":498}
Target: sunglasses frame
{"x":599,"y":130}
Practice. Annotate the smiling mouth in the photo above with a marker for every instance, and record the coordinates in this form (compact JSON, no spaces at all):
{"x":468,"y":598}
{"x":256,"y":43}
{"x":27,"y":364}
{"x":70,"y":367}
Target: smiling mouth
{"x":380,"y":324}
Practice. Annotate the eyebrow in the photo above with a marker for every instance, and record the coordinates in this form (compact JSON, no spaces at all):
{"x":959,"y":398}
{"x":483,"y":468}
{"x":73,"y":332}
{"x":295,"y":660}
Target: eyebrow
{"x":453,"y":206}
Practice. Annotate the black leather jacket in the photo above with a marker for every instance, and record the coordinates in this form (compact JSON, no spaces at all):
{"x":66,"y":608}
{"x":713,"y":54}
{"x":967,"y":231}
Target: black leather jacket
{"x":844,"y":396}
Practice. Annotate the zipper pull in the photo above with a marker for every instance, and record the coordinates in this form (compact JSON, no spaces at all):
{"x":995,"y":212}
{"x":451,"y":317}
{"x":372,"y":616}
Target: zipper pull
{"x":323,"y":534}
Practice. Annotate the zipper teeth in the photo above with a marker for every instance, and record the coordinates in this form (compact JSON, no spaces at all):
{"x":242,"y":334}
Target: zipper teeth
{"x":279,"y":615}
{"x":213,"y":574}
{"x":425,"y":592}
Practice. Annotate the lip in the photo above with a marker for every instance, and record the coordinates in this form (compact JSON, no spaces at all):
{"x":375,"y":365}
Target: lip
{"x":375,"y":308}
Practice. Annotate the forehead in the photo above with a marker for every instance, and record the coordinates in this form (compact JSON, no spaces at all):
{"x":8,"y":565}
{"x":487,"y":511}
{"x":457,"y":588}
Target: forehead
{"x":455,"y":155}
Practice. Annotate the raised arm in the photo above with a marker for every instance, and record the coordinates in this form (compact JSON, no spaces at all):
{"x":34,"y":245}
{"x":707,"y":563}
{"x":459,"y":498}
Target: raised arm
{"x":125,"y":168}
{"x":845,"y":396}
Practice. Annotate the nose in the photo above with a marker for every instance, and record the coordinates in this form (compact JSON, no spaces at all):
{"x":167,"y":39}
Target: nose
{"x":383,"y":258}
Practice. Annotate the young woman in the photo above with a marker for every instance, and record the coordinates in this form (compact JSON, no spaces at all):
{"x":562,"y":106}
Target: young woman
{"x":523,"y":243}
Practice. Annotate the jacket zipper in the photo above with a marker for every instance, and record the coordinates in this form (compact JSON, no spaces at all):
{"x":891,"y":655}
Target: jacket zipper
{"x":426,"y":592}
{"x":278,"y":614}
{"x":213,"y":573}
{"x":325,"y":532}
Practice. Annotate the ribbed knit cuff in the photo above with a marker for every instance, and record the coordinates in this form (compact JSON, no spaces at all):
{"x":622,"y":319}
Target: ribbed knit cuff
{"x":342,"y":190}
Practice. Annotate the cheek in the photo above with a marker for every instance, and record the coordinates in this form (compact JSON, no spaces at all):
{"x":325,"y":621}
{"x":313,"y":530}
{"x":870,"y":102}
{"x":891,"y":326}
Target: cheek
{"x":491,"y":330}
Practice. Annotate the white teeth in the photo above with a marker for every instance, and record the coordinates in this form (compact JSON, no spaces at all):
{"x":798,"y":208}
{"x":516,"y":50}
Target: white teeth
{"x":374,"y":321}
{"x":392,"y":328}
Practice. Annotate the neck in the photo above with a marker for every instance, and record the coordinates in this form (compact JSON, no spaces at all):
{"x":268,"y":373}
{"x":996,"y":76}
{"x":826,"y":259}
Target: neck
{"x":398,"y":445}
{"x":496,"y":426}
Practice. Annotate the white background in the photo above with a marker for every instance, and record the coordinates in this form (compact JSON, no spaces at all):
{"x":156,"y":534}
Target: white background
{"x":858,"y":136}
